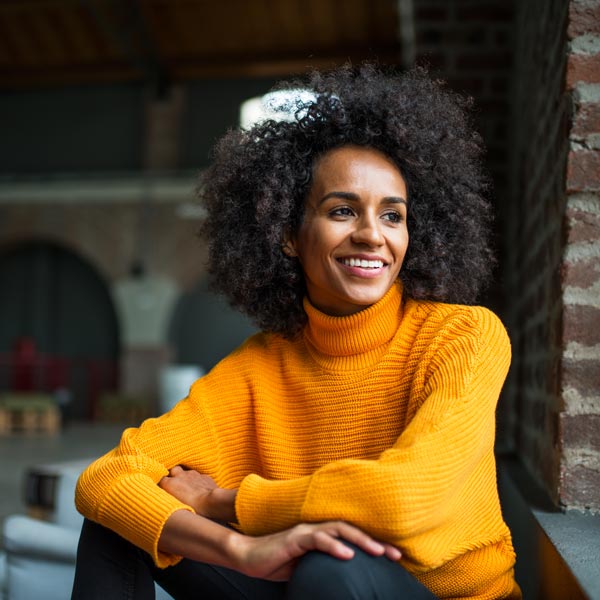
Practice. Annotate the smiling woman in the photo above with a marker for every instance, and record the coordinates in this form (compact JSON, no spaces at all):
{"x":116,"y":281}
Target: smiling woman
{"x":351,"y":442}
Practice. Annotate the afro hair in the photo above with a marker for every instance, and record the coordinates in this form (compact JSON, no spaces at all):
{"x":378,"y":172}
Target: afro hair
{"x":255,"y":189}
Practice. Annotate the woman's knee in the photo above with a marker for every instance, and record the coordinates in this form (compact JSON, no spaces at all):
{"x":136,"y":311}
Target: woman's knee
{"x":320,"y":576}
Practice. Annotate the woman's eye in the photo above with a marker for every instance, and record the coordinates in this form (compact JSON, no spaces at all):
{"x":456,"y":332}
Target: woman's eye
{"x":341,"y":211}
{"x":393,"y":217}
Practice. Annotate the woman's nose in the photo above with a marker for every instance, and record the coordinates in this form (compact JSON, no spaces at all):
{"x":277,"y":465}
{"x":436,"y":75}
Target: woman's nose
{"x":368,"y":232}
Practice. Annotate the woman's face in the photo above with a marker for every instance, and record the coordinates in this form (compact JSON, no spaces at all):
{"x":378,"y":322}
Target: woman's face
{"x":353,"y":238}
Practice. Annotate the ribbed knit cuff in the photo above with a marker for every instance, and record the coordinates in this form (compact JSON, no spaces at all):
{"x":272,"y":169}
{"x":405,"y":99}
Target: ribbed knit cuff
{"x":264,"y":506}
{"x":138,"y":512}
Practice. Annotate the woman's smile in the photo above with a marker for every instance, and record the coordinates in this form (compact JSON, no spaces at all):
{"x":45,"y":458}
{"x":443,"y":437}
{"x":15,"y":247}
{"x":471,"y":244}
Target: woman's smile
{"x":353,"y":239}
{"x":363,"y":266}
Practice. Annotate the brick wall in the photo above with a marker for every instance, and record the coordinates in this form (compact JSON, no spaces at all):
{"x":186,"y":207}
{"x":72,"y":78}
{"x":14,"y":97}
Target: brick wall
{"x":551,"y":253}
{"x":107,"y":235}
{"x":469,"y":44}
{"x":533,"y":236}
{"x":580,"y":366}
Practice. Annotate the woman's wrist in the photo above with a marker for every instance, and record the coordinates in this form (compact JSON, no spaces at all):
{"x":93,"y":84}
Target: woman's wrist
{"x":222,"y":505}
{"x":203,"y":540}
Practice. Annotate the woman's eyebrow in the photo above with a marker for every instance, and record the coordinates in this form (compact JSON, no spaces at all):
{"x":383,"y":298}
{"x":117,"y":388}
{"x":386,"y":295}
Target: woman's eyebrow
{"x":342,"y":195}
{"x":394,"y":200}
{"x":355,"y":197}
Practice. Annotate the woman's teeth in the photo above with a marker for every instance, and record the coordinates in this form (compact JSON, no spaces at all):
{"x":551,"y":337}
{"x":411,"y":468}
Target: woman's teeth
{"x":364,"y":264}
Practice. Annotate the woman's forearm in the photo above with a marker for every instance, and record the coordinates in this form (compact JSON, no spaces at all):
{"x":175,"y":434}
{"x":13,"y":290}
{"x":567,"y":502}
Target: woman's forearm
{"x":198,"y":538}
{"x":271,"y":556}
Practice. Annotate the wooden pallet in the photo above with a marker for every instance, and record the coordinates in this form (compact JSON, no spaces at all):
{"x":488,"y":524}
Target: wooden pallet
{"x":28,"y":414}
{"x":122,"y":408}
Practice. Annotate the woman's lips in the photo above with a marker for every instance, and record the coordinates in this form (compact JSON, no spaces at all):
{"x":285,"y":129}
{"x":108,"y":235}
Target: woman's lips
{"x":362,"y":267}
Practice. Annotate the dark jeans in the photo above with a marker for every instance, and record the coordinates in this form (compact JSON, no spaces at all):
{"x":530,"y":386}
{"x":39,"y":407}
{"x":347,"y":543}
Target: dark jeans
{"x":110,"y":568}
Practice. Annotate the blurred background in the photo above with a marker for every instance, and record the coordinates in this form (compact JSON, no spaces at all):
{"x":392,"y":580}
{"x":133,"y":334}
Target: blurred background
{"x":108,"y":112}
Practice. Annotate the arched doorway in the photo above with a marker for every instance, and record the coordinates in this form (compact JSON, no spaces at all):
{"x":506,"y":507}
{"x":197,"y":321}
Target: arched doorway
{"x":59,"y":331}
{"x":204,"y":328}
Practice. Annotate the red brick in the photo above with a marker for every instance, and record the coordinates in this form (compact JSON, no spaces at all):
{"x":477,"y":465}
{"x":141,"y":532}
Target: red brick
{"x":583,"y":171}
{"x":583,"y":68}
{"x":584,"y":17}
{"x":582,"y":376}
{"x":548,"y":463}
{"x":581,"y":431}
{"x":583,"y":226}
{"x":581,"y":323}
{"x":581,"y":274}
{"x":580,"y":486}
{"x":587,"y":120}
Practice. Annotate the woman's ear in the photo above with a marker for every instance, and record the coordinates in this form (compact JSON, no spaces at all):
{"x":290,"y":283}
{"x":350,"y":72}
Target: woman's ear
{"x":288,"y":248}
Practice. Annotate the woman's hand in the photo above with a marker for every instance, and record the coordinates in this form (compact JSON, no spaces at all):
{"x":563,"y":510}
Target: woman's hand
{"x":201,"y":493}
{"x":269,"y":556}
{"x":275,"y":556}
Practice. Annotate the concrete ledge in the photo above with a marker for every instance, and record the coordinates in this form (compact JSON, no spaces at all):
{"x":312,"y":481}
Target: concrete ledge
{"x":558,"y":553}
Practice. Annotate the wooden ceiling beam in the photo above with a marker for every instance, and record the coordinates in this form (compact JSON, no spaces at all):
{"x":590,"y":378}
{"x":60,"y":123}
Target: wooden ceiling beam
{"x":272,"y":67}
{"x":80,"y":42}
{"x":125,"y":24}
{"x":187,"y":70}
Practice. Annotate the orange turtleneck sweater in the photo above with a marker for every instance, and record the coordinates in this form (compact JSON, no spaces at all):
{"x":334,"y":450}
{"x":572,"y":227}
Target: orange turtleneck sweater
{"x":384,"y":419}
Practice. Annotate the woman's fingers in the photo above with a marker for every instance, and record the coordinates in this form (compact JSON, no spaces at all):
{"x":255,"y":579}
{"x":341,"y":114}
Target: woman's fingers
{"x":274,"y":556}
{"x":325,"y":542}
{"x":392,"y":552}
{"x":365,"y":542}
{"x":329,"y":537}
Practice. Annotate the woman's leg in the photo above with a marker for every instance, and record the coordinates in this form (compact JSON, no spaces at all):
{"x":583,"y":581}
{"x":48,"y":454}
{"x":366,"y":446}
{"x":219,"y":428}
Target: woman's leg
{"x":191,"y":580}
{"x":319,"y":576}
{"x":109,"y":567}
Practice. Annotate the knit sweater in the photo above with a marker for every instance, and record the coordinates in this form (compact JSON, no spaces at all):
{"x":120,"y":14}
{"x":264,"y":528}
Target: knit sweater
{"x":384,"y":418}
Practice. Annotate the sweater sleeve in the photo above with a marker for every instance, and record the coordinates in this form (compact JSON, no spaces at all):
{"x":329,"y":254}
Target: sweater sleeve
{"x":432,"y":478}
{"x":120,"y":491}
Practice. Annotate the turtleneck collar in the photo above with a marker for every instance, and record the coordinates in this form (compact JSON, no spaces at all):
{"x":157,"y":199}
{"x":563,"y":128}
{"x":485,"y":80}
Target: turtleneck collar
{"x":362,"y":333}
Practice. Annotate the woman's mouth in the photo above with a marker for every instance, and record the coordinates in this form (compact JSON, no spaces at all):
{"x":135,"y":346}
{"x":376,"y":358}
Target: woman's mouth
{"x":362,"y":263}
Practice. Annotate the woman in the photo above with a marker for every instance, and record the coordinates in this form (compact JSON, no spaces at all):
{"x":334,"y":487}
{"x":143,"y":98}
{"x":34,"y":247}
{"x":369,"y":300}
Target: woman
{"x":350,"y":444}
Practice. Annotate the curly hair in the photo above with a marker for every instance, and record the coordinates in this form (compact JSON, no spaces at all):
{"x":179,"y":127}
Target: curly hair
{"x":255,"y":189}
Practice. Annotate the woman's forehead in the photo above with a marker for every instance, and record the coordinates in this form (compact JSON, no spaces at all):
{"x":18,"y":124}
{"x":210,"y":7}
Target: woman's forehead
{"x":352,"y":165}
